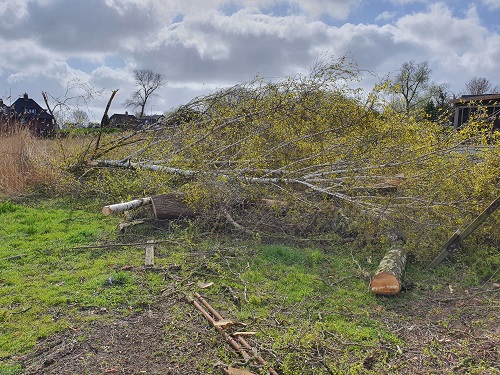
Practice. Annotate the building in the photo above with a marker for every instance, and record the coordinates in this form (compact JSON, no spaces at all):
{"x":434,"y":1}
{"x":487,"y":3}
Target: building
{"x":148,"y":120}
{"x":124,"y":121}
{"x":468,"y":105}
{"x":127,"y":121}
{"x":25,"y":111}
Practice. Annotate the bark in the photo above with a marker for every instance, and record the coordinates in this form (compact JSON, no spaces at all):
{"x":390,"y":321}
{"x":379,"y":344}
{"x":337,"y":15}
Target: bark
{"x":104,"y":121}
{"x":387,"y":279}
{"x":46,"y":100}
{"x":120,"y":207}
{"x":171,"y":206}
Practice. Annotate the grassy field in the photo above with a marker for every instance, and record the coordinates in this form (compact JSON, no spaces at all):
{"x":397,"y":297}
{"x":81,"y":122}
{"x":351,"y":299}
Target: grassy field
{"x":310,"y":306}
{"x":75,"y":297}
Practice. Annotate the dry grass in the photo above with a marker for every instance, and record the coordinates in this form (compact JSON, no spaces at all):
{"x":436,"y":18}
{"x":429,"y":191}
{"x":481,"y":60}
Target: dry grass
{"x":26,"y":163}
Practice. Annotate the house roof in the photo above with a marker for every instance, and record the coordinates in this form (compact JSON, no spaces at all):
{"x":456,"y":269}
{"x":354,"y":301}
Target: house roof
{"x":476,"y":98}
{"x":22,"y":107}
{"x":123,"y":119}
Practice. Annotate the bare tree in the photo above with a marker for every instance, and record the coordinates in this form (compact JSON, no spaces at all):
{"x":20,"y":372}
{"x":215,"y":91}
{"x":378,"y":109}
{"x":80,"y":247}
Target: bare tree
{"x":411,"y":82}
{"x":147,"y":82}
{"x":480,"y":85}
{"x":78,"y":95}
{"x":80,"y":118}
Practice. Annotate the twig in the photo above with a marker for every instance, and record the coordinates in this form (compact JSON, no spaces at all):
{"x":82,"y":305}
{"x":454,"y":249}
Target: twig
{"x":242,"y":346}
{"x":123,"y":245}
{"x":234,"y":223}
{"x":22,"y":311}
{"x":13,"y":257}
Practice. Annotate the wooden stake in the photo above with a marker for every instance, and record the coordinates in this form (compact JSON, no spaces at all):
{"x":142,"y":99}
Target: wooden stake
{"x":459,"y":235}
{"x":149,"y":260}
{"x":242,"y":345}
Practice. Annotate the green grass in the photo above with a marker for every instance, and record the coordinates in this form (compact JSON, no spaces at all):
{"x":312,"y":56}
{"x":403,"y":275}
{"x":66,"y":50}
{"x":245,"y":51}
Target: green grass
{"x":46,"y":283}
{"x":304,"y":303}
{"x":291,"y":295}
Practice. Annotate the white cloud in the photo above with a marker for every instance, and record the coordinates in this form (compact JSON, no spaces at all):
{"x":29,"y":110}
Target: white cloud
{"x":492,"y":4}
{"x":452,"y":41}
{"x":215,"y":43}
{"x":339,"y":9}
{"x":107,"y":78}
{"x":406,"y":2}
{"x":384,"y":16}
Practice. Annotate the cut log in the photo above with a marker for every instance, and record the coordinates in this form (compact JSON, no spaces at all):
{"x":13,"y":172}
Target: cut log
{"x":387,"y":279}
{"x":121,"y":207}
{"x":171,"y":206}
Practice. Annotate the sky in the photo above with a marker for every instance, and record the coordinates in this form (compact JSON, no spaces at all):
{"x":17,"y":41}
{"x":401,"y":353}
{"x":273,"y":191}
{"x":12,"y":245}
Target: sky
{"x":62,"y":46}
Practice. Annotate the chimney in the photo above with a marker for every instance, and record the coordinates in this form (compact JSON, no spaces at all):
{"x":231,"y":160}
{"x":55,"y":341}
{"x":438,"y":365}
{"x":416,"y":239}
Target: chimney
{"x":126,"y":113}
{"x":25,"y":96}
{"x":1,"y":102}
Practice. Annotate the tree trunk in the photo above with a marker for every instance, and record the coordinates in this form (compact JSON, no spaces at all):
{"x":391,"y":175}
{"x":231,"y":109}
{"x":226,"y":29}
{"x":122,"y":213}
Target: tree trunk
{"x":120,"y":207}
{"x":171,"y":206}
{"x":387,"y":279}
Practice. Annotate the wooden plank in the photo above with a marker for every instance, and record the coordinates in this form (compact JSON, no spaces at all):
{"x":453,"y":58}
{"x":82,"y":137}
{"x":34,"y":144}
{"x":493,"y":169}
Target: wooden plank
{"x":459,"y":235}
{"x":149,"y":260}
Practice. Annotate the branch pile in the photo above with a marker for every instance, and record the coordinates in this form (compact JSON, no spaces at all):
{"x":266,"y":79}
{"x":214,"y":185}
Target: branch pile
{"x":330,"y":159}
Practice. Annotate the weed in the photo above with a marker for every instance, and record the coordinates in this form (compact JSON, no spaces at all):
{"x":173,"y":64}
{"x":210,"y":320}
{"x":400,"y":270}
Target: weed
{"x":10,"y":370}
{"x":310,"y":309}
{"x":7,"y":207}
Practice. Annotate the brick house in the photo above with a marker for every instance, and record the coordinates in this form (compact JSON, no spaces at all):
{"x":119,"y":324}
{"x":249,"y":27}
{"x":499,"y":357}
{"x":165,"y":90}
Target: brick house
{"x":27,"y":112}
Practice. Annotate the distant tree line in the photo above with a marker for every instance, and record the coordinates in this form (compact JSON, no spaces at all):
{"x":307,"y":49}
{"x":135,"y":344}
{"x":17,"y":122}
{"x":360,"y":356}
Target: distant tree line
{"x":413,"y":90}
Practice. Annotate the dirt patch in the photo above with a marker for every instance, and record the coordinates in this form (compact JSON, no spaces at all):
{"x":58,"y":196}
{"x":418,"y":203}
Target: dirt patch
{"x":442,"y":332}
{"x":449,"y":331}
{"x":168,"y":337}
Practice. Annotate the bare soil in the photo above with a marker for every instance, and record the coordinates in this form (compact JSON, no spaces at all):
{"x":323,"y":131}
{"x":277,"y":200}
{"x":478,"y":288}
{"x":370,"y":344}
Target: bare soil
{"x":450,"y":331}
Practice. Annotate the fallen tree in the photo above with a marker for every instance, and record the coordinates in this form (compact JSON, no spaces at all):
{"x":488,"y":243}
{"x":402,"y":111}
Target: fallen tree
{"x":346,"y":164}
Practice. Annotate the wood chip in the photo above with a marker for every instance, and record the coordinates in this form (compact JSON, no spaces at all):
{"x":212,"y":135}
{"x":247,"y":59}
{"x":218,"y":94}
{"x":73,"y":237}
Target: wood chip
{"x":238,"y":371}
{"x":203,"y":285}
{"x":227,"y":322}
{"x":245,"y":333}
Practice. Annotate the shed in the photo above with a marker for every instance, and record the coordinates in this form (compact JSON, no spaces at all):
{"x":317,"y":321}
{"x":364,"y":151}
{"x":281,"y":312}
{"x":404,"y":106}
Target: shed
{"x":467,"y":105}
